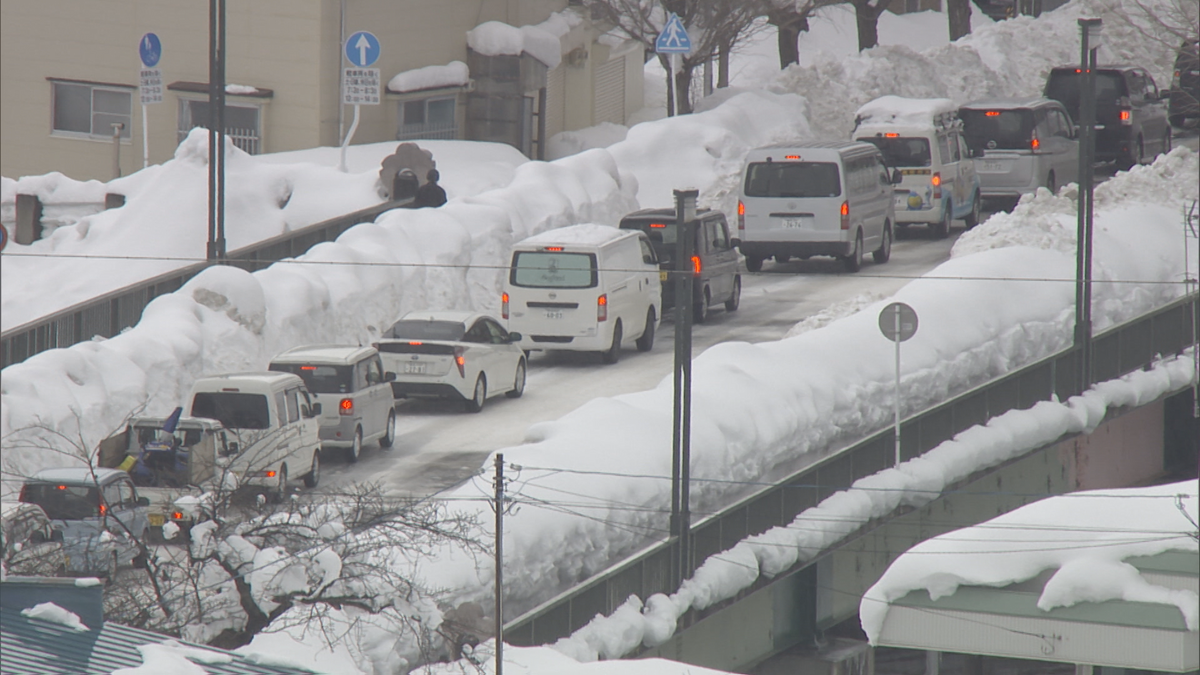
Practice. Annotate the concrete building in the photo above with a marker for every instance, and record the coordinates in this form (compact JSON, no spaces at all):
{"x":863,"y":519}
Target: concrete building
{"x":70,"y":69}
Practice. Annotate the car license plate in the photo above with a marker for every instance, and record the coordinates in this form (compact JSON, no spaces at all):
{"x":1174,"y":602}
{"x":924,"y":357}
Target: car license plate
{"x":662,"y":275}
{"x":414,"y":368}
{"x":795,"y":223}
{"x":993,"y":167}
{"x":554,"y":314}
{"x":157,"y":519}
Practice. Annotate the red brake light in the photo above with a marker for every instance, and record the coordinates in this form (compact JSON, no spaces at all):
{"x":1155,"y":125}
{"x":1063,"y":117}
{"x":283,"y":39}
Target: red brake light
{"x":553,"y":249}
{"x":460,"y":360}
{"x":741,"y":216}
{"x":62,"y":487}
{"x":103,"y":509}
{"x":602,"y":308}
{"x":656,"y":226}
{"x":891,"y":134}
{"x":1124,"y":115}
{"x":270,"y":474}
{"x":504,"y":305}
{"x":695,"y":265}
{"x":346,"y":407}
{"x":992,"y":113}
{"x":177,"y":515}
{"x":936,"y":180}
{"x":1034,"y":144}
{"x":308,"y":367}
{"x":845,"y":215}
{"x":415,"y":343}
{"x":791,"y":156}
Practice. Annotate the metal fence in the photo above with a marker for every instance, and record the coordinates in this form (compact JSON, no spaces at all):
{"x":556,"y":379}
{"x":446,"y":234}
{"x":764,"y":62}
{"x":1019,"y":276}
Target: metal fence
{"x":111,"y":313}
{"x":1118,"y":351}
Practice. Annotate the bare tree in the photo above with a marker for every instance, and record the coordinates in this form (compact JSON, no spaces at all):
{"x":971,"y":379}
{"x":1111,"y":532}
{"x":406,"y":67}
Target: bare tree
{"x":714,"y":27}
{"x":958,"y":13}
{"x":866,"y":13}
{"x":790,"y":18}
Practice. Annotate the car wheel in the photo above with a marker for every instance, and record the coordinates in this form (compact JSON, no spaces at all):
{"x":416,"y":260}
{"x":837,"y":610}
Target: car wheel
{"x":646,"y":342}
{"x":1136,"y":152}
{"x":1051,"y":183}
{"x":389,"y":435}
{"x":735,"y":300}
{"x":754,"y":263}
{"x":281,"y":489}
{"x":700,"y":309}
{"x":884,"y":253}
{"x":1166,"y":143}
{"x":613,"y":354}
{"x":518,"y":381}
{"x":355,"y":450}
{"x":314,"y":471}
{"x":941,"y":229}
{"x":478,"y":396}
{"x":853,"y":262}
{"x":976,"y":214}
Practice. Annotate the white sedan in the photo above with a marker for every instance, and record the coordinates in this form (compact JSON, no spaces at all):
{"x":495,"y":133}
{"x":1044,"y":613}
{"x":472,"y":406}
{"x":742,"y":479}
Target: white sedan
{"x":462,"y":356}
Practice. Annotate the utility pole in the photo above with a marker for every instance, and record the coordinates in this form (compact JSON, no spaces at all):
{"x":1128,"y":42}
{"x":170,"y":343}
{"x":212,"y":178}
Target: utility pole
{"x":499,"y":506}
{"x":216,"y":130}
{"x":1089,"y":42}
{"x":681,"y":455}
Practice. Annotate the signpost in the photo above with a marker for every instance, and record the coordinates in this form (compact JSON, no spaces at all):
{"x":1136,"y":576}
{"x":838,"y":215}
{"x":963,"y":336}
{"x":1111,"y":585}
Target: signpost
{"x":149,"y":51}
{"x":360,"y":84}
{"x":673,"y":40}
{"x":898,"y":322}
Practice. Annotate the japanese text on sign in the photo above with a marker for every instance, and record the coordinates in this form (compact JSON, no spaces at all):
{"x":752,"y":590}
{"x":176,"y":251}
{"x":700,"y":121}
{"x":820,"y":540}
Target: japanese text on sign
{"x":360,"y":86}
{"x":151,"y":86}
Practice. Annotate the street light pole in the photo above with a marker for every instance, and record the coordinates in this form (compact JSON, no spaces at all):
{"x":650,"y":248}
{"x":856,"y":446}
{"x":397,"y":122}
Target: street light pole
{"x":1089,"y":42}
{"x":216,"y":130}
{"x":685,"y":223}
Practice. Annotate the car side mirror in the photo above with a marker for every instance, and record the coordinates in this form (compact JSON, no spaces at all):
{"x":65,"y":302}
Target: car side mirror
{"x":389,"y":376}
{"x":56,"y":535}
{"x":314,"y":410}
{"x":896,"y":177}
{"x":143,"y":501}
{"x":735,"y":242}
{"x":514,"y":337}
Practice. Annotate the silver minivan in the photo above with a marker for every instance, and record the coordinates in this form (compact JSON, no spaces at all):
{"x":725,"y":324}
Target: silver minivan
{"x":1020,"y":145}
{"x":830,"y":198}
{"x":354,"y":392}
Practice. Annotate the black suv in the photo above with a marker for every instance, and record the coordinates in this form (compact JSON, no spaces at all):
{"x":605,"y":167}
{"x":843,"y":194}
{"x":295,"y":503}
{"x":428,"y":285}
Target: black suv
{"x":1131,"y":115}
{"x":1185,"y":84}
{"x":715,"y":261}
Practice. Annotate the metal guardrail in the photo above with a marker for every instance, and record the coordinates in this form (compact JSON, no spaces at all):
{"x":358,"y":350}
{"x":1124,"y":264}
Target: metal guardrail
{"x":109,"y":314}
{"x":1117,"y":351}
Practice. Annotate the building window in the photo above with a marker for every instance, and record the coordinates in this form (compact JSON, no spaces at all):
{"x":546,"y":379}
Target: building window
{"x":241,"y":122}
{"x":91,"y":110}
{"x":429,"y":118}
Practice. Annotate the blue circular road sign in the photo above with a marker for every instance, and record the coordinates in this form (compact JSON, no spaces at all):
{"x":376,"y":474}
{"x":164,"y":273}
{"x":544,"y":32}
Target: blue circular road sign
{"x":362,"y":49}
{"x":150,"y":50}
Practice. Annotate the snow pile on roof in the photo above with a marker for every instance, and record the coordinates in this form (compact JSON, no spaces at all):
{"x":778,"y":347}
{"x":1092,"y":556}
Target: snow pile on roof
{"x":494,"y":38}
{"x":240,"y":89}
{"x":1085,"y":536}
{"x":48,"y":611}
{"x":586,"y":234}
{"x":453,"y":74}
{"x":899,"y":111}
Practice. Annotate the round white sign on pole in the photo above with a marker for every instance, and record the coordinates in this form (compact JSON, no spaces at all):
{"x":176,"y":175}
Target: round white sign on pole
{"x":907,"y":326}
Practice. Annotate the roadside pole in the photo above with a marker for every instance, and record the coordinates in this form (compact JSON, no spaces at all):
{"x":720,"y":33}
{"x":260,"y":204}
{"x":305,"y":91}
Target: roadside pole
{"x":681,"y":456}
{"x":360,"y":84}
{"x":898,"y":323}
{"x":1089,"y":42}
{"x":150,"y":89}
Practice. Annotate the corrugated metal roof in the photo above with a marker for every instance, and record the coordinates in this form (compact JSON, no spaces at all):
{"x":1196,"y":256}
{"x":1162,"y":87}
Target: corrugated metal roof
{"x":30,"y":646}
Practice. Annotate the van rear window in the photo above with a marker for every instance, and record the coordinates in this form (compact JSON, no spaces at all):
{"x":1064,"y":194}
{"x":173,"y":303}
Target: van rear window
{"x":997,"y":129}
{"x":320,"y":379}
{"x":1063,"y":86}
{"x":449,"y":331}
{"x":547,"y":269}
{"x":793,"y":179}
{"x":235,"y":410}
{"x":898,"y":151}
{"x":63,"y":502}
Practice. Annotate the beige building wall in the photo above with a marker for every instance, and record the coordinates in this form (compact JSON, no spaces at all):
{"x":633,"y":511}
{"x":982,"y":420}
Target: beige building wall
{"x":290,"y":47}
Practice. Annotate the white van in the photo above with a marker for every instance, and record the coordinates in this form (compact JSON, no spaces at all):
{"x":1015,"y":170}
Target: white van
{"x":923,"y":137}
{"x":584,"y":288}
{"x":830,"y":198}
{"x":273,"y":423}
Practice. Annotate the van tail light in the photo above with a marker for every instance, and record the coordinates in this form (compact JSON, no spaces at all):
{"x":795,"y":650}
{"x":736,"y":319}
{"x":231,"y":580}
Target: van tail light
{"x":1126,"y":117}
{"x":460,"y":360}
{"x":177,"y":515}
{"x":741,"y":217}
{"x":845,"y":215}
{"x":270,"y":473}
{"x":695,"y":265}
{"x":936,"y":181}
{"x":103,"y":509}
{"x":346,"y":407}
{"x":1035,"y":144}
{"x":504,"y":305}
{"x":602,"y":308}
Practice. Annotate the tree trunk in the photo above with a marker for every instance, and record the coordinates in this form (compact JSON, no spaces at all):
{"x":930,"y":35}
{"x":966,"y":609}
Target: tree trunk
{"x":959,"y":13}
{"x":683,"y":86}
{"x":723,"y":66}
{"x":868,"y":24}
{"x":789,"y":50}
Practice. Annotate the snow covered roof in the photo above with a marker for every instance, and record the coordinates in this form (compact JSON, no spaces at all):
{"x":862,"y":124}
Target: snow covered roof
{"x":907,"y":112}
{"x":453,"y":74}
{"x":1103,"y":561}
{"x":587,"y":234}
{"x":494,"y":38}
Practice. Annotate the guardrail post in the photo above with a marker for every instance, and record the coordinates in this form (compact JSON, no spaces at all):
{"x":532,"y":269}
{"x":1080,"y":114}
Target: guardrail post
{"x":29,"y":219}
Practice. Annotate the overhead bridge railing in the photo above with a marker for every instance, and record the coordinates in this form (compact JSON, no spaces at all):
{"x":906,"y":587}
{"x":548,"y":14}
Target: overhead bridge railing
{"x":109,"y":314}
{"x":1117,"y":351}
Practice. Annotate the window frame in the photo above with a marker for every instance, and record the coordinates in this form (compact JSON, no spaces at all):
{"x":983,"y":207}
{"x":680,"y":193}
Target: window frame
{"x":422,"y":130}
{"x":126,"y":133}
{"x":257,"y":104}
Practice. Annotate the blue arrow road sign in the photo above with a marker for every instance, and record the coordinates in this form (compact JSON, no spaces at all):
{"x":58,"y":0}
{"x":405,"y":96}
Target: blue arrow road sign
{"x":674,"y":38}
{"x":150,"y":49}
{"x":362,"y":49}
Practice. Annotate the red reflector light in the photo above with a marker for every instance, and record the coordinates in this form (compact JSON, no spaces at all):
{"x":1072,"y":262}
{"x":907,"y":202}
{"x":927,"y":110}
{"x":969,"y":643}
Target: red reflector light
{"x":657,"y":225}
{"x":308,"y":367}
{"x":992,"y":113}
{"x":1035,"y":143}
{"x":554,"y":249}
{"x":346,"y":407}
{"x":891,"y":134}
{"x":791,"y":156}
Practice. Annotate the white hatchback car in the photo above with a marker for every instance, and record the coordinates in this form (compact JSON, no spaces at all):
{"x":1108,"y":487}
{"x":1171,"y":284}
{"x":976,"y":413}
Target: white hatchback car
{"x":455,"y":355}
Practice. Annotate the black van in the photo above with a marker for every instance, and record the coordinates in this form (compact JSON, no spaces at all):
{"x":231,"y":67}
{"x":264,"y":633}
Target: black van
{"x":715,"y":261}
{"x":1185,"y":84}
